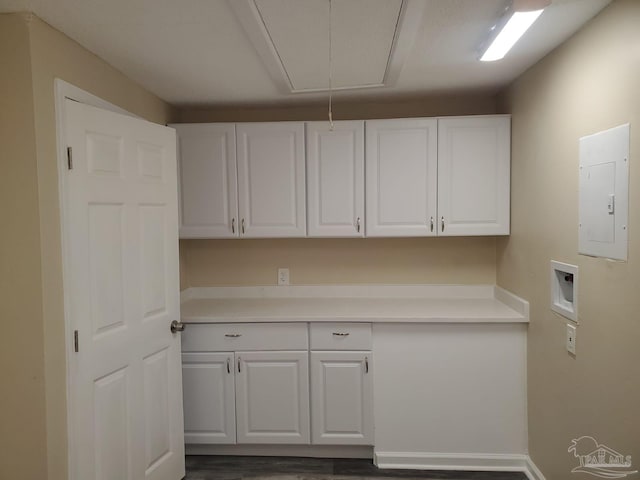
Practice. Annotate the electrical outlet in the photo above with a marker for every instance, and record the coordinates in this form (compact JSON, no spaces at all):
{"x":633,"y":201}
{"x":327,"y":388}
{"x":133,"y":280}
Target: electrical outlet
{"x":571,"y":338}
{"x":283,"y":276}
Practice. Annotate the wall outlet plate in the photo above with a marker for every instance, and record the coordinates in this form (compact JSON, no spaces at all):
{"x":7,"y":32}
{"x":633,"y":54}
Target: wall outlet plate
{"x":283,"y":276}
{"x":571,"y":338}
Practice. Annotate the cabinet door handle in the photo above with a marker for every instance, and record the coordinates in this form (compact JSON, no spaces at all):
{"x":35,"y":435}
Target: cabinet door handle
{"x":228,"y":365}
{"x":366,"y":364}
{"x":358,"y":225}
{"x":233,"y":225}
{"x":239,"y":360}
{"x":232,"y":335}
{"x":431,"y":223}
{"x":442,"y":224}
{"x":340,"y":334}
{"x":243,"y":226}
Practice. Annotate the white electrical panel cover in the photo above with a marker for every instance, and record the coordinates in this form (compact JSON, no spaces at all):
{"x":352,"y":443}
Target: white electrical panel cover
{"x":604,"y":193}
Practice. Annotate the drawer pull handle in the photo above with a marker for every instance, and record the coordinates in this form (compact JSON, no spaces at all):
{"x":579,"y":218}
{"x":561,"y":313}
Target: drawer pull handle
{"x":366,"y":364}
{"x":232,"y":335}
{"x":340,"y":334}
{"x":228,"y":365}
{"x":239,"y":360}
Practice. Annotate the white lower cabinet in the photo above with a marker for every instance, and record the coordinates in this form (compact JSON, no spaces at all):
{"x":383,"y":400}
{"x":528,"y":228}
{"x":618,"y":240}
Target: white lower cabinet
{"x":208,"y":383}
{"x":246,"y":397}
{"x":272,"y":397}
{"x":342,"y":398}
{"x":259,"y":390}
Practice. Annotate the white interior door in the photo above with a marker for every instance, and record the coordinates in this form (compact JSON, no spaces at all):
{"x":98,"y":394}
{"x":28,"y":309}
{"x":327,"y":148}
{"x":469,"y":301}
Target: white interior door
{"x":121,"y":281}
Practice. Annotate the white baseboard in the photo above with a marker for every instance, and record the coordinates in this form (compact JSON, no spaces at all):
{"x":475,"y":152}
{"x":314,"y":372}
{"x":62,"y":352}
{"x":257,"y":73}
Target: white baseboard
{"x":533,"y":473}
{"x":459,"y":461}
{"x":316,"y":451}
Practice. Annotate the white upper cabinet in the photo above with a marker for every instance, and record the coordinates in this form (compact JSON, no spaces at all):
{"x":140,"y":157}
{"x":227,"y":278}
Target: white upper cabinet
{"x":271,"y":179}
{"x":423,"y":177}
{"x":401,"y":177}
{"x":474,"y":156}
{"x":335,"y":179}
{"x":207,"y":180}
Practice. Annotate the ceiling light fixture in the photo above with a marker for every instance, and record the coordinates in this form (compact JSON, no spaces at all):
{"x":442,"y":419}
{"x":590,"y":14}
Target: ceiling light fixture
{"x":516,"y":20}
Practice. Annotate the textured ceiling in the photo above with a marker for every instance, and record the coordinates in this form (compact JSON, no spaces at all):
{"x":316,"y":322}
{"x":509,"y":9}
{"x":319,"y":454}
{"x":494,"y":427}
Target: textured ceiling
{"x":195,"y":52}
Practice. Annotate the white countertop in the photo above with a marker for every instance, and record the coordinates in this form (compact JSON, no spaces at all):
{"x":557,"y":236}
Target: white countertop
{"x":413,"y":304}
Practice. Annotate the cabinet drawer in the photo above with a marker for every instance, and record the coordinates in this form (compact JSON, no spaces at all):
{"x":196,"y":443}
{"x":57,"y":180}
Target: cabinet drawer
{"x":340,"y":336}
{"x":232,"y":337}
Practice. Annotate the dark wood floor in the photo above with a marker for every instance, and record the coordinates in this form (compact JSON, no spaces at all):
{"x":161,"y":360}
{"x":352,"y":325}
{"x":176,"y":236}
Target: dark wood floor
{"x":291,"y":468}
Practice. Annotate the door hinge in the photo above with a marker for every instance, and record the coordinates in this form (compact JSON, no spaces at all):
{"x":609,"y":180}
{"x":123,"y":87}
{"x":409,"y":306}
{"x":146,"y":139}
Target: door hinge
{"x":70,"y":158}
{"x":76,"y":342}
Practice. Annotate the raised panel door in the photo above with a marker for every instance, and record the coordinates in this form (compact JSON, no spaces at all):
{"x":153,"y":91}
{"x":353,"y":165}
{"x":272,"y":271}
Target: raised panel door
{"x":120,"y":226}
{"x":208,"y":180}
{"x":474,"y":157}
{"x":342,"y":398}
{"x":335,"y":179}
{"x":209,"y":398}
{"x":272,"y":397}
{"x":271,"y":179}
{"x":401,"y":177}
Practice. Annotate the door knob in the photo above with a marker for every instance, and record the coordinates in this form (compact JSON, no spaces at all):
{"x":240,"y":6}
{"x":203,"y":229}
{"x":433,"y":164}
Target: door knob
{"x":177,"y":326}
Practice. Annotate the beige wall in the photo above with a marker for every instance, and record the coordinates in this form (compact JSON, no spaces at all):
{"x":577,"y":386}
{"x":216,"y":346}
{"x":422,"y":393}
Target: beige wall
{"x":32,"y":305}
{"x":340,"y":261}
{"x":346,"y":261}
{"x":420,"y":106}
{"x":589,"y":84}
{"x":22,"y":376}
{"x":54,"y":55}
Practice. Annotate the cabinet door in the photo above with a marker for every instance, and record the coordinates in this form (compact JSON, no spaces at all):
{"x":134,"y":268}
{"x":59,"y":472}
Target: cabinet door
{"x":209,"y":398}
{"x":271,"y":179}
{"x":335,"y":179}
{"x":401,"y":176}
{"x":342,"y":398}
{"x":207,"y":180}
{"x":474,"y":157}
{"x":272,"y":397}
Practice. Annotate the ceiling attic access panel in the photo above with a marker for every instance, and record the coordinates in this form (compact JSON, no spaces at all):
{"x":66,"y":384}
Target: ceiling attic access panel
{"x":292,"y":38}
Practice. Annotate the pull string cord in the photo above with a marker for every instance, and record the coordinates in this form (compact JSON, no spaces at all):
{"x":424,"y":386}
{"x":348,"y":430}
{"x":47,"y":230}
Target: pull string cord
{"x":330,"y":73}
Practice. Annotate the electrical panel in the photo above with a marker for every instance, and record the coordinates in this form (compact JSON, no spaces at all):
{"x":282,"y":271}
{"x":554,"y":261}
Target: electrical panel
{"x":604,"y":193}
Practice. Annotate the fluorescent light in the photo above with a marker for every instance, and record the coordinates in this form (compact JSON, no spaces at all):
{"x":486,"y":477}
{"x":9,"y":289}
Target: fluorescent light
{"x":510,"y":34}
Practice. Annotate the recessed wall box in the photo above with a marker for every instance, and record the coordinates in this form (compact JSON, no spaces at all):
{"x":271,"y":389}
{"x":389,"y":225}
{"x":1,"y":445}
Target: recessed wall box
{"x":604,"y":193}
{"x":564,"y":290}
